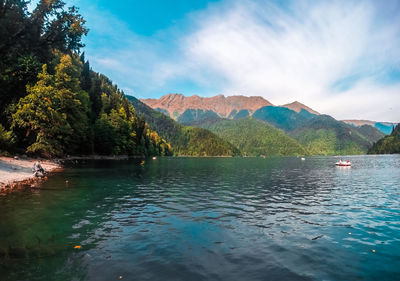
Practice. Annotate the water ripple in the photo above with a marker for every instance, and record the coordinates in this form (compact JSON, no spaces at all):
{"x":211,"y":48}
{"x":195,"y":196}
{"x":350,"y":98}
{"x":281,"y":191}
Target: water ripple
{"x":222,"y":219}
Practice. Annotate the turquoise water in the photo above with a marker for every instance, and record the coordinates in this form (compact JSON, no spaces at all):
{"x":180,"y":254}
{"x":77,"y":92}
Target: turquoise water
{"x":207,"y":219}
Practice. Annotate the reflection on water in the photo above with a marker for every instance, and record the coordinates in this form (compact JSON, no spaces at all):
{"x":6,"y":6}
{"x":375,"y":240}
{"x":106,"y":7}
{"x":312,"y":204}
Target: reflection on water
{"x":207,"y":219}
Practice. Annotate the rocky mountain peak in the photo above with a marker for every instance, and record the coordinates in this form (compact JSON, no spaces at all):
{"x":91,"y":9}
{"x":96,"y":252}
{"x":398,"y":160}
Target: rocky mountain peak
{"x":298,"y":106}
{"x":223,"y":106}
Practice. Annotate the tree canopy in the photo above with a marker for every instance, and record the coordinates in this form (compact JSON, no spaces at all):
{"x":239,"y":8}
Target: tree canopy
{"x":52,"y":103}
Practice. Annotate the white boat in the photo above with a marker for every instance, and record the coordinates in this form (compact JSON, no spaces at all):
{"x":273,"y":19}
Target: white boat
{"x":343,"y":163}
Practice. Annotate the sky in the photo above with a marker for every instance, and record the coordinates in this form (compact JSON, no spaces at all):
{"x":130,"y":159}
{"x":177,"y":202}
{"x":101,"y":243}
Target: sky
{"x":341,"y":58}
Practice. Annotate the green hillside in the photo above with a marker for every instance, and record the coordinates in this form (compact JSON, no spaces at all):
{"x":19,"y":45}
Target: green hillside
{"x":323,"y":135}
{"x":389,"y":144}
{"x":320,"y":134}
{"x":282,"y":117}
{"x":193,"y":115}
{"x":185,"y":140}
{"x":254,"y":137}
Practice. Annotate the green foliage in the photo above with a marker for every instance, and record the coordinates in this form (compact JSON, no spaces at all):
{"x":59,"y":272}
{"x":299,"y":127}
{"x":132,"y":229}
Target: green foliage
{"x":389,"y":144}
{"x":56,"y":117}
{"x":254,"y":137}
{"x":117,"y":129}
{"x":118,"y":132}
{"x":51,"y":100}
{"x":323,"y":135}
{"x":5,"y":139}
{"x":27,"y":41}
{"x":369,"y":133}
{"x":184,"y":140}
{"x":104,"y":139}
{"x":318,"y":142}
{"x":54,"y":113}
{"x":200,"y":142}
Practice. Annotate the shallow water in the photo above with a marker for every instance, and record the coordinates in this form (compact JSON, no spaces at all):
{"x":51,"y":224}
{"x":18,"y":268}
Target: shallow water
{"x":207,"y":219}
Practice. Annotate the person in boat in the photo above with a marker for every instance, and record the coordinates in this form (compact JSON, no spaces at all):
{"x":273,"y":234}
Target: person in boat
{"x":38,"y":170}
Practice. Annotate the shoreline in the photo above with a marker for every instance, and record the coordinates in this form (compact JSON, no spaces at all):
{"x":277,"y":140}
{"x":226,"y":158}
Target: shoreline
{"x":17,"y":172}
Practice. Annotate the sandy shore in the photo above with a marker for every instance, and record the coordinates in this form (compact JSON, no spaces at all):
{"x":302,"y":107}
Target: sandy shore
{"x":14,"y":172}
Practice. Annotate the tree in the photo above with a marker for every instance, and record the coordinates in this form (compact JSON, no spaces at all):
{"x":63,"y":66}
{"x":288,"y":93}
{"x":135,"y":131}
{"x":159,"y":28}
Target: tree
{"x":27,"y":42}
{"x":86,"y":81}
{"x":5,"y":139}
{"x":39,"y":115}
{"x":54,"y":113}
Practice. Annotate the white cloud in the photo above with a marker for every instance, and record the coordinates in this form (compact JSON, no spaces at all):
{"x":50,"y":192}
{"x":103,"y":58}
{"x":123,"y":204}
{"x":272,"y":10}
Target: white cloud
{"x":365,"y":100}
{"x":299,"y":52}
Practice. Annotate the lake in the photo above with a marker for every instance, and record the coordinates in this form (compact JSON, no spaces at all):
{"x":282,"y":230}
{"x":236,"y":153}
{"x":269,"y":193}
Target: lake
{"x":207,"y":219}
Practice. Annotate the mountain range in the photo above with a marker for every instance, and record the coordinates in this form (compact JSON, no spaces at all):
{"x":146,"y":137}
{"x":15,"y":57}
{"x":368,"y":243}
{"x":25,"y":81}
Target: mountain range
{"x":181,"y":108}
{"x":384,"y":127}
{"x":257,"y":127}
{"x":176,"y":105}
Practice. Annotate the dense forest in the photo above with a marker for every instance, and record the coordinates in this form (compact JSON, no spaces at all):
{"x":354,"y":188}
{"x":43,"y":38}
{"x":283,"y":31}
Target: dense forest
{"x":389,"y":144}
{"x":254,"y":137}
{"x":320,"y":134}
{"x":274,"y":130}
{"x":323,"y":135}
{"x":51,"y":102}
{"x":186,"y":140}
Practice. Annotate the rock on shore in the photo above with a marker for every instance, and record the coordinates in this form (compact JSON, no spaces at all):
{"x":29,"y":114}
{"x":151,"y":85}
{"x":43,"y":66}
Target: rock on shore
{"x":19,"y":171}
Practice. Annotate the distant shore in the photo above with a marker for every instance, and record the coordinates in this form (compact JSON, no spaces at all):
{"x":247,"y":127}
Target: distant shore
{"x":16,"y":172}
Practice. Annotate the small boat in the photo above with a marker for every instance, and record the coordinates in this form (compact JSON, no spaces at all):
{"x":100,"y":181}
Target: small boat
{"x":302,"y":158}
{"x":343,"y":163}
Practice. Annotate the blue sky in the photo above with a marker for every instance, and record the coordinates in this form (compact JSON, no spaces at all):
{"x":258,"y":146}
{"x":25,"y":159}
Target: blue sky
{"x":338,"y":57}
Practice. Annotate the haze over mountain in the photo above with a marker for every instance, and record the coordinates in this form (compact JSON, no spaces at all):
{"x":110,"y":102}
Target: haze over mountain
{"x":384,"y":127}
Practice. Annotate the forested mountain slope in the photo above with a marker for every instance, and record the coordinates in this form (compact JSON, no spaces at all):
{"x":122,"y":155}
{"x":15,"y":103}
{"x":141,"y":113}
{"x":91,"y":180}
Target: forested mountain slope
{"x":254,"y":137}
{"x":185,"y":140}
{"x":324,"y":135}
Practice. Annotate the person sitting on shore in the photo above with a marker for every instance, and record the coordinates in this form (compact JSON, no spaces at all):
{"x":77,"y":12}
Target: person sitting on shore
{"x":38,"y":170}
